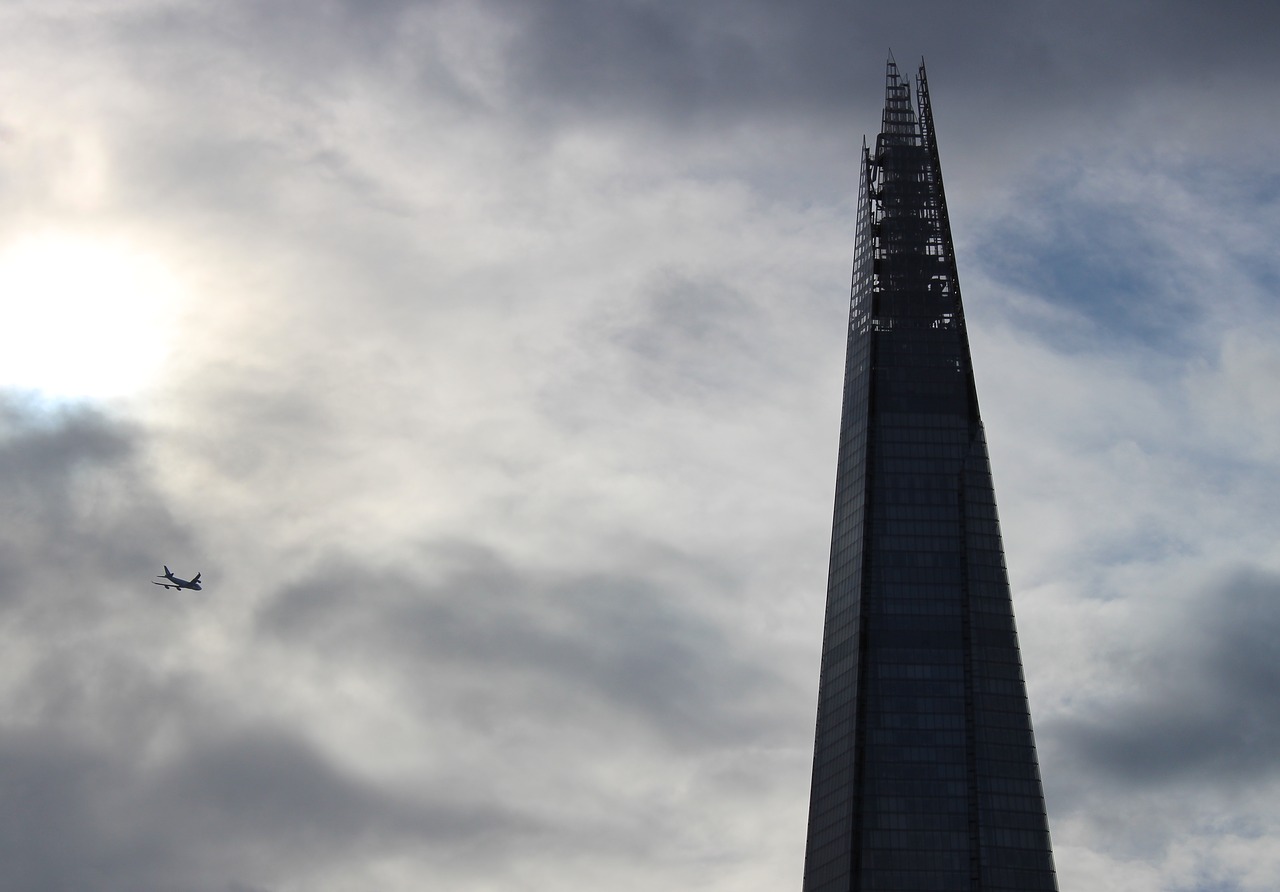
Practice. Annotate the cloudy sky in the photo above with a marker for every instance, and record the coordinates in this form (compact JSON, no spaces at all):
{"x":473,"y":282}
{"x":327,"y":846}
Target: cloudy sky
{"x":485,"y":357}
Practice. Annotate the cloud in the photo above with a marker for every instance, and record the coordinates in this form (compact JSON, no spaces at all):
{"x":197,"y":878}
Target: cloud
{"x":79,"y":504}
{"x":592,"y":646}
{"x":1124,"y":255}
{"x":253,"y":804}
{"x":1198,"y":706}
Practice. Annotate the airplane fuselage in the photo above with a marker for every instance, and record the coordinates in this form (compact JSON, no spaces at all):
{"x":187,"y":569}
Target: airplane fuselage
{"x":176,"y":582}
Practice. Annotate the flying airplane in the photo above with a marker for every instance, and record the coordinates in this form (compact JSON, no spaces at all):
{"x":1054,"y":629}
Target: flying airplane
{"x":177,"y":583}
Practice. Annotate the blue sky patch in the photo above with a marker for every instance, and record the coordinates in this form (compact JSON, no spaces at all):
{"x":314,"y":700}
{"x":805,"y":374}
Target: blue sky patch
{"x":1099,"y":263}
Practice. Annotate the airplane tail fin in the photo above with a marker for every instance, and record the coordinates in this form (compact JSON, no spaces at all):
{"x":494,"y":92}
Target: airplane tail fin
{"x":167,"y":571}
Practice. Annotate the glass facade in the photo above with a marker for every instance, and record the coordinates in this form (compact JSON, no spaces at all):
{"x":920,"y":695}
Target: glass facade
{"x":924,"y":769}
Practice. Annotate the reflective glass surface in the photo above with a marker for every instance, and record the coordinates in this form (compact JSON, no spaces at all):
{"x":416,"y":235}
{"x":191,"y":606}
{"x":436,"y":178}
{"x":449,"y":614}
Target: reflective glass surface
{"x":925,"y":775}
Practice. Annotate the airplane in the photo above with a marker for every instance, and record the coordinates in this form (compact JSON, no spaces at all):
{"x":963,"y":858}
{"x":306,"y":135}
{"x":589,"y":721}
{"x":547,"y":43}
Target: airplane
{"x":177,"y":583}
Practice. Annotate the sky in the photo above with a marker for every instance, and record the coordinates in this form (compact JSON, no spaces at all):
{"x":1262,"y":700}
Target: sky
{"x":485,"y":358}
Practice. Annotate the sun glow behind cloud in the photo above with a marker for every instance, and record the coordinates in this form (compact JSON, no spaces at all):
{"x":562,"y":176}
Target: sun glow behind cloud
{"x":83,"y":318}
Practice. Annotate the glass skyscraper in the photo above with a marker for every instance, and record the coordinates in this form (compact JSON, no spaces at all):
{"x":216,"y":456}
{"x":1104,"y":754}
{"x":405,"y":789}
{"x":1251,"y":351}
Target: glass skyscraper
{"x":924,"y":768}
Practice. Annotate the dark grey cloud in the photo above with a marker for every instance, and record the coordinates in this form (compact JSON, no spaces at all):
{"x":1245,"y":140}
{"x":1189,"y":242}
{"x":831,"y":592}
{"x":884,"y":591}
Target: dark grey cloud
{"x":631,"y":646}
{"x":43,"y":443}
{"x":79,"y":504}
{"x":1201,"y":707}
{"x":708,"y":65}
{"x":681,"y":62}
{"x":271,"y":784}
{"x":250,"y":805}
{"x":677,"y":338}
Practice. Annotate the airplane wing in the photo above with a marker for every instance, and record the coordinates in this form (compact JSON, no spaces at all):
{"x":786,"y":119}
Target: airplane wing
{"x":163,"y":584}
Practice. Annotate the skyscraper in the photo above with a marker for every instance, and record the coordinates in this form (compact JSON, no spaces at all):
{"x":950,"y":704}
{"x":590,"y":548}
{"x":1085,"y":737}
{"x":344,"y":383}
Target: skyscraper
{"x":924,"y":768}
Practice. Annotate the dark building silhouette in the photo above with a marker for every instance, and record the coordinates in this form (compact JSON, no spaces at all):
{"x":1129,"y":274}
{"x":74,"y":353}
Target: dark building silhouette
{"x":924,"y":768}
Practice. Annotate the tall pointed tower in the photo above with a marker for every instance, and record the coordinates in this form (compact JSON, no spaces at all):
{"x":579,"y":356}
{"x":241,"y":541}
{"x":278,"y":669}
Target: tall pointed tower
{"x":924,"y":767}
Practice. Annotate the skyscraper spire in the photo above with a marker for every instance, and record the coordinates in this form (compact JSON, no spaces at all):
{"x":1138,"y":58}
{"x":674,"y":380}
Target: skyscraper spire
{"x":924,"y":774}
{"x":898,"y":121}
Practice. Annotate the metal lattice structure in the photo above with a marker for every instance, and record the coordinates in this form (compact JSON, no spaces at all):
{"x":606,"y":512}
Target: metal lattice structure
{"x":925,"y":774}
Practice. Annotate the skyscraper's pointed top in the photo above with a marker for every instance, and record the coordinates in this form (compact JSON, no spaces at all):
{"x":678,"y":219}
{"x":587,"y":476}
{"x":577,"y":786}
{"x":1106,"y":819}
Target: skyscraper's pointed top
{"x":899,"y":121}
